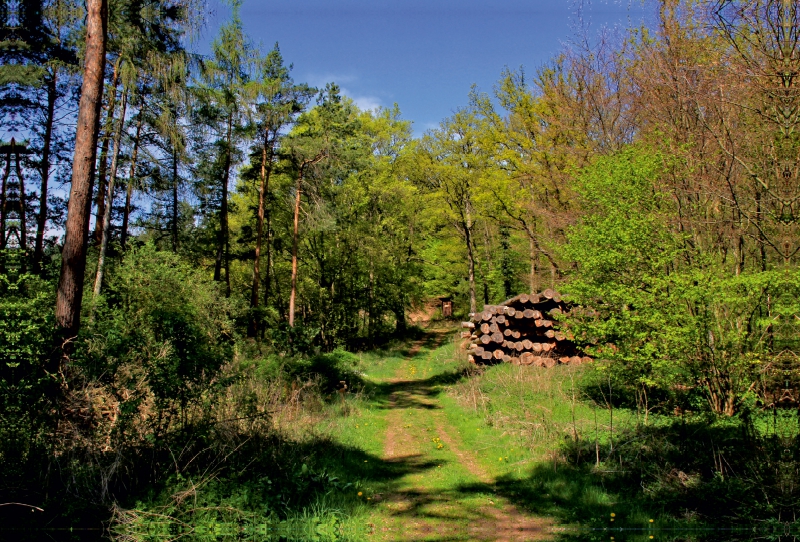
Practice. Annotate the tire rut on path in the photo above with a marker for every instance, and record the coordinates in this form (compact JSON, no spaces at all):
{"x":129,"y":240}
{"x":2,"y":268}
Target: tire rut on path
{"x":496,"y":520}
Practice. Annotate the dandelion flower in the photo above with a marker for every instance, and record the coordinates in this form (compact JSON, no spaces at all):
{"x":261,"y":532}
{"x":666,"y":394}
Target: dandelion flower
{"x":360,"y":493}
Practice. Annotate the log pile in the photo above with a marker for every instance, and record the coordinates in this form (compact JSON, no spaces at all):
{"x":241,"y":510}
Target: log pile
{"x":522,"y":331}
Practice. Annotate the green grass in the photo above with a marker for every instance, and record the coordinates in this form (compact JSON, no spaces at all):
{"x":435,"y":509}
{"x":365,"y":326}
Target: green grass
{"x":472,"y":440}
{"x":520,"y":425}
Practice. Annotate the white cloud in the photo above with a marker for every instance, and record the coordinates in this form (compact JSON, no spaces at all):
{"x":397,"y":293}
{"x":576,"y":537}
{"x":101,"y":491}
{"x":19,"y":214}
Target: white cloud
{"x":365,"y":103}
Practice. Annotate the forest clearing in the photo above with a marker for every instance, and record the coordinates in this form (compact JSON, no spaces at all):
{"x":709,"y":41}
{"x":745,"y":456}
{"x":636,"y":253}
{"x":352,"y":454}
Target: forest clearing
{"x":230,"y":289}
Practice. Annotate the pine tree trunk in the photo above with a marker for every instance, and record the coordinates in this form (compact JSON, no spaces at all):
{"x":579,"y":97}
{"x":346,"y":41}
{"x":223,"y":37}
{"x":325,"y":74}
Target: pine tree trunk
{"x":41,"y":223}
{"x":106,"y":233}
{"x":3,"y":202}
{"x":266,"y":170}
{"x":175,"y":210}
{"x":296,"y":231}
{"x":268,"y":273}
{"x":129,"y":189}
{"x":23,"y":224}
{"x":101,"y":176}
{"x":222,"y":237}
{"x":73,"y":267}
{"x":293,"y":294}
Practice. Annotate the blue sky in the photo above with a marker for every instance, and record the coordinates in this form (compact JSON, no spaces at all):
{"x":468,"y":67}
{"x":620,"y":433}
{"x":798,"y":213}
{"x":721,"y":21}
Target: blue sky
{"x":422,"y":55}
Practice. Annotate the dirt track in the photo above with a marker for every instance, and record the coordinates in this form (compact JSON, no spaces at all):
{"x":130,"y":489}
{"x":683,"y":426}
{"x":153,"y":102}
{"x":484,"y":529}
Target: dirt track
{"x":426,"y":512}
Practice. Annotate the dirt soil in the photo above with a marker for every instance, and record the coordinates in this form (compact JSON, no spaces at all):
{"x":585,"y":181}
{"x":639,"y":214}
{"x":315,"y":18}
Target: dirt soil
{"x":423,"y":512}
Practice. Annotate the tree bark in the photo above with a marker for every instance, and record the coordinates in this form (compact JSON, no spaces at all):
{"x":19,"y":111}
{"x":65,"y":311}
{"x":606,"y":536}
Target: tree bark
{"x":101,"y":176}
{"x":268,"y":273}
{"x":222,"y":238}
{"x":44,"y":168}
{"x":105,"y":232}
{"x":293,"y":294}
{"x":175,"y":210}
{"x":129,"y":189}
{"x":473,"y":304}
{"x":23,"y":225}
{"x":295,"y":235}
{"x":534,"y":257}
{"x":73,"y":267}
{"x":266,"y":169}
{"x":3,"y":202}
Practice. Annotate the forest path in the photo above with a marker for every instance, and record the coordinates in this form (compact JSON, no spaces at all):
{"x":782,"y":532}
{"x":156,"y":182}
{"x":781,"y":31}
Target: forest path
{"x":445,"y":494}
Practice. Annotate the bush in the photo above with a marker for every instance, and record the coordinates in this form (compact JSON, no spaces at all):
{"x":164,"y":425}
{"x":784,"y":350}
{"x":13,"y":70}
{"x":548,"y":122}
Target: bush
{"x":669,"y":313}
{"x":160,"y":338}
{"x":328,"y":370}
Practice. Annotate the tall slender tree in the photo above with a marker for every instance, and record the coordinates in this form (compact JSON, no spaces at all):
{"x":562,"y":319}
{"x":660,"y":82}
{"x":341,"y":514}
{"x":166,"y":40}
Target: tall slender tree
{"x":280,"y":100}
{"x":73,"y":267}
{"x":222,"y":89}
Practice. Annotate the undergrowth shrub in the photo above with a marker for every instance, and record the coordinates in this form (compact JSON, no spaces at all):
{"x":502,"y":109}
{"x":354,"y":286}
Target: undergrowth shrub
{"x":159,"y":340}
{"x":27,"y":410}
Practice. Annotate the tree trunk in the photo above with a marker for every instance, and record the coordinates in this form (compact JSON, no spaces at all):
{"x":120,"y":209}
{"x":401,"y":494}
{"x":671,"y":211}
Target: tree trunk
{"x":534,"y":257}
{"x":175,"y":210}
{"x":101,"y":177}
{"x":295,"y":233}
{"x":473,"y":304}
{"x":266,"y":170}
{"x":3,"y":204}
{"x":295,"y":236}
{"x":106,"y":233}
{"x":23,"y":225}
{"x":222,"y":238}
{"x":371,"y":302}
{"x":129,"y":189}
{"x":44,"y":167}
{"x":73,"y":266}
{"x":268,"y":273}
{"x":505,"y":262}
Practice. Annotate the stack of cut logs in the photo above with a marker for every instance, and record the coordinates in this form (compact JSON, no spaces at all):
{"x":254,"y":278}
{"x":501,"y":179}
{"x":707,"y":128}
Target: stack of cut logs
{"x":520,"y":331}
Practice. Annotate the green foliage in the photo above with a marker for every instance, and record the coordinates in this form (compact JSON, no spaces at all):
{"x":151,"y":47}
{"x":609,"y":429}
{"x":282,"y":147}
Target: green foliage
{"x":26,"y":324}
{"x":166,"y":332}
{"x":671,"y":316}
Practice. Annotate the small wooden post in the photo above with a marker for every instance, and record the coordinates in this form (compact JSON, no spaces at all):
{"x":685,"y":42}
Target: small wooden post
{"x":447,"y":306}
